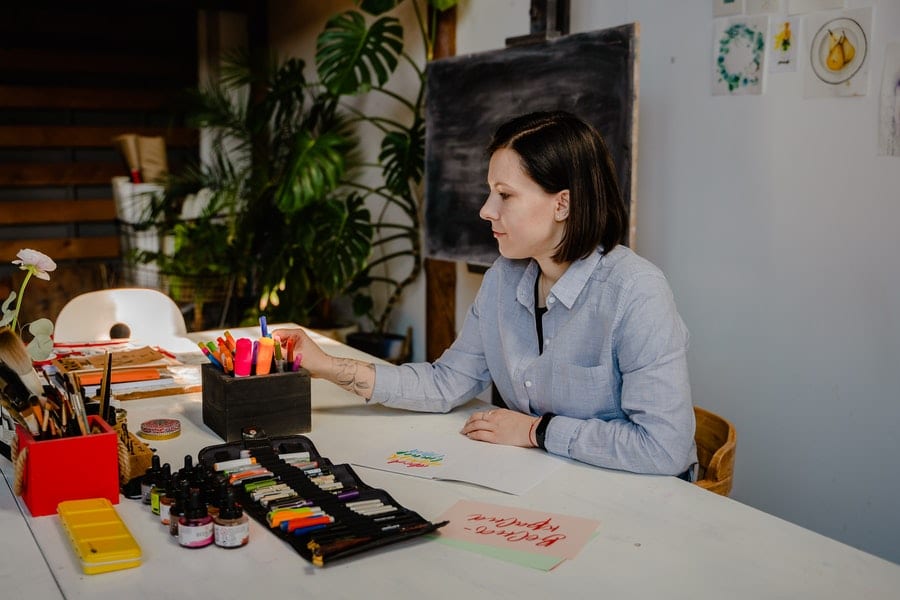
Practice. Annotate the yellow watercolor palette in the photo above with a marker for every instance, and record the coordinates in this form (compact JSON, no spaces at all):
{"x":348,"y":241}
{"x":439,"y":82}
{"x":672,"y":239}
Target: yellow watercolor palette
{"x":98,"y":535}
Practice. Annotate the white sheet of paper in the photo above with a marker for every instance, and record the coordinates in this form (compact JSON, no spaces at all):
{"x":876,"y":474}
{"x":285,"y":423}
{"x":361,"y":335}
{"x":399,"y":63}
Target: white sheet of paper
{"x":455,"y":457}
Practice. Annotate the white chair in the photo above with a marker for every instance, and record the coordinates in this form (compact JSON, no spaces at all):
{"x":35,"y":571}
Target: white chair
{"x":150,"y":316}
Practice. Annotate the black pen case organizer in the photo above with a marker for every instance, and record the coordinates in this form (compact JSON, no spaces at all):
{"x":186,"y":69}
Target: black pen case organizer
{"x":351,"y":532}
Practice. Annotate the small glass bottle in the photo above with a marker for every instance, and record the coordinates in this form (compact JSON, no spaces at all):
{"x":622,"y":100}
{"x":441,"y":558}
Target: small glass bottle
{"x":231,"y":528}
{"x":159,"y":487}
{"x":149,"y":479}
{"x":195,"y":528}
{"x":166,"y":499}
{"x":176,"y":511}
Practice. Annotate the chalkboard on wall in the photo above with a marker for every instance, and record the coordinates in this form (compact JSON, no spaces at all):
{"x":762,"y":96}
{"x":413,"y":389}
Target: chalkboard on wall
{"x":593,"y":75}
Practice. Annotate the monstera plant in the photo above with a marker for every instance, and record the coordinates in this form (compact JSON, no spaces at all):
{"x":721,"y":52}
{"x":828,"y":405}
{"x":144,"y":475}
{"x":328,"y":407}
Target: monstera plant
{"x":357,"y":54}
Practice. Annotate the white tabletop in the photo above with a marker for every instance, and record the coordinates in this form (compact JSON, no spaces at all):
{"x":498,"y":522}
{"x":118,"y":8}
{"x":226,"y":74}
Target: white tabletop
{"x":659,"y":537}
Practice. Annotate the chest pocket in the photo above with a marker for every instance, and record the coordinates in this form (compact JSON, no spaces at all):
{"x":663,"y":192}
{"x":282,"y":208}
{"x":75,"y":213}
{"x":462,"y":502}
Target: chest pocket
{"x":585,"y":392}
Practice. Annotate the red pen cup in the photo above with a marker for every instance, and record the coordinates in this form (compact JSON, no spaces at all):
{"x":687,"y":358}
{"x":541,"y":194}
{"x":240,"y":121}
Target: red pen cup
{"x":243,"y":357}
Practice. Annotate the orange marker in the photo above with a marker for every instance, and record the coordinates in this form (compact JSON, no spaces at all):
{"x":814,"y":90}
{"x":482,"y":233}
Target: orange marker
{"x":264,"y":355}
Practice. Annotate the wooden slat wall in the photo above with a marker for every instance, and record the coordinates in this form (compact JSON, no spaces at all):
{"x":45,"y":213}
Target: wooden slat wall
{"x":73,"y":75}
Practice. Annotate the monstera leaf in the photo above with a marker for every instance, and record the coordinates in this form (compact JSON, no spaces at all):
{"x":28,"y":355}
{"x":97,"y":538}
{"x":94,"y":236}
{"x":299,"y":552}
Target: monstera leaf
{"x":315,"y":167}
{"x":403,"y":157}
{"x":352,"y":58}
{"x":342,"y":240}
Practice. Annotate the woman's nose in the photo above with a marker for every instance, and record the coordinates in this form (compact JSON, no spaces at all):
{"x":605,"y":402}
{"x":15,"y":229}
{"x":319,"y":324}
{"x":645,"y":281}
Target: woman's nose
{"x":487,"y":212}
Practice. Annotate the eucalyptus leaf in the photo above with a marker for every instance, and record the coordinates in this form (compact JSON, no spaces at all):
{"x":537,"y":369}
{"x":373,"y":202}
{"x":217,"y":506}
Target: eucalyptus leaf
{"x":41,"y":345}
{"x":8,"y":314}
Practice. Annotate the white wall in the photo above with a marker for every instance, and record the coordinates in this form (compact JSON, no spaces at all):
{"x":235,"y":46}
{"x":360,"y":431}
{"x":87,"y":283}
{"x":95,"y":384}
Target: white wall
{"x":776,"y":223}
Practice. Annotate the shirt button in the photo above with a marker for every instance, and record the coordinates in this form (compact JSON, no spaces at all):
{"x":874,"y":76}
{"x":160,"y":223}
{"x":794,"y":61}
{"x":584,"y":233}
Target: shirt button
{"x":546,"y":342}
{"x":551,"y":300}
{"x":527,"y":384}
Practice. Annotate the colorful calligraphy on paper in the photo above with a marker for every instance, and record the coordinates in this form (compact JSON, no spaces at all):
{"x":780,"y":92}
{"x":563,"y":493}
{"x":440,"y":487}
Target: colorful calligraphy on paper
{"x":534,"y":538}
{"x":416,"y":458}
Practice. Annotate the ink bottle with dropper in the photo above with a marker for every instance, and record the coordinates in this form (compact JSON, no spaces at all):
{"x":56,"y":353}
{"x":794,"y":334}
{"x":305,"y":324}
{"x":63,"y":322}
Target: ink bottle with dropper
{"x":149,"y":479}
{"x":195,"y":527}
{"x":166,"y":499}
{"x":159,"y":487}
{"x":231,"y":528}
{"x":179,"y":505}
{"x":187,"y":471}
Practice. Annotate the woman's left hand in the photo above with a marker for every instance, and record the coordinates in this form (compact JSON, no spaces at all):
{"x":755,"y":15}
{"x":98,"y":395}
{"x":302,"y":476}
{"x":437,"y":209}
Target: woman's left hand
{"x":500,"y":426}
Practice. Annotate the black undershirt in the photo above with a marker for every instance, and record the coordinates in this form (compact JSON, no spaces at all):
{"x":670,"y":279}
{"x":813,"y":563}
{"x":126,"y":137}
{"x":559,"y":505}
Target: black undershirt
{"x":538,"y":317}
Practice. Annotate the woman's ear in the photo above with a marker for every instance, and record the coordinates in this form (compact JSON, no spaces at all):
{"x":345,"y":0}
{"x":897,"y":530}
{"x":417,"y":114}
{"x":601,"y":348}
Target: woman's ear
{"x":561,"y":210}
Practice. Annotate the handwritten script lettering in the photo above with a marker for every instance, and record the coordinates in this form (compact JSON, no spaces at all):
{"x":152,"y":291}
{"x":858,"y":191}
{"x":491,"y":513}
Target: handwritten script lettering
{"x":516,"y":530}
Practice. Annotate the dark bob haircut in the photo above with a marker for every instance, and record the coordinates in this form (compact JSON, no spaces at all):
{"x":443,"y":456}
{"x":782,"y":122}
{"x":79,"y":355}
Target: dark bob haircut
{"x":559,"y":152}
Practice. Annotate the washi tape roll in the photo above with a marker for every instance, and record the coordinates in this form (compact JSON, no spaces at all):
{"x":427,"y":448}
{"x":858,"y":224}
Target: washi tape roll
{"x":161,"y":429}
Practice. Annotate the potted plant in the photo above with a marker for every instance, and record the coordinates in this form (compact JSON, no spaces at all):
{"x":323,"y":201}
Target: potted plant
{"x":356,"y":54}
{"x":273,"y":219}
{"x":289,"y":184}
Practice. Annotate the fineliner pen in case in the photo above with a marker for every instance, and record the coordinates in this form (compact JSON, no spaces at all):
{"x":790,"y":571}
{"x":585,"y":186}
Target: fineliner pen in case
{"x":226,"y":465}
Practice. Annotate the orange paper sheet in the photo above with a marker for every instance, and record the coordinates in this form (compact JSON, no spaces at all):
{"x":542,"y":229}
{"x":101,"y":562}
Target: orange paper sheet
{"x":93,"y":378}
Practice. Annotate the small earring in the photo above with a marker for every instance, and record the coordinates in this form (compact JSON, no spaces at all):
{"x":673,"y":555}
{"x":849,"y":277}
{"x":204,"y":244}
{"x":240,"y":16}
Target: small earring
{"x":562,"y":215}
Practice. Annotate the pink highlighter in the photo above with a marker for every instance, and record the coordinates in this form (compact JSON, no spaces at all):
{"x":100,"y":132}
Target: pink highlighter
{"x":243,"y":357}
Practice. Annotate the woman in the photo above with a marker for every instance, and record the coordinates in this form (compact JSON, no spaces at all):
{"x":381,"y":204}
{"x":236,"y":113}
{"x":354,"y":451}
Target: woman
{"x":579,"y":335}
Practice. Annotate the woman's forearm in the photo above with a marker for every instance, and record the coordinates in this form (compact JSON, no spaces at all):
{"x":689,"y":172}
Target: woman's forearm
{"x":353,"y":375}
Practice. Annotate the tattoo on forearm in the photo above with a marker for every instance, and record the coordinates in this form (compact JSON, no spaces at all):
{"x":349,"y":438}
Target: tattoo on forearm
{"x":349,"y":375}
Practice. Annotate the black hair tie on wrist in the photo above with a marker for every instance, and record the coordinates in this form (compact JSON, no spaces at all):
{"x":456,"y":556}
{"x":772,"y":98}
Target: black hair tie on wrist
{"x":540,"y":431}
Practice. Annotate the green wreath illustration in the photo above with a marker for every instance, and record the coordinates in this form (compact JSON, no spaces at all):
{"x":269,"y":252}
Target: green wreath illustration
{"x":749,"y":74}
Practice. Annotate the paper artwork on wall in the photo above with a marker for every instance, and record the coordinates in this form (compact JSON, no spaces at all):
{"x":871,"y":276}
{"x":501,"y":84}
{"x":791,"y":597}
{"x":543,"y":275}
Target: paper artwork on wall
{"x":889,"y":120}
{"x":784,"y":39}
{"x":759,"y":7}
{"x":739,"y":55}
{"x":838,"y":53}
{"x":726,"y":8}
{"x":796,"y":7}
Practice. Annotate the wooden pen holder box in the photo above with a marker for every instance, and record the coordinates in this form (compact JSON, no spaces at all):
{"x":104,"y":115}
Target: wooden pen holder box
{"x":71,"y":468}
{"x":277,"y":403}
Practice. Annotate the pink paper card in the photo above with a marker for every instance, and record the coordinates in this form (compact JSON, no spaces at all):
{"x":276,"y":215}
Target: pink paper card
{"x":518,"y":529}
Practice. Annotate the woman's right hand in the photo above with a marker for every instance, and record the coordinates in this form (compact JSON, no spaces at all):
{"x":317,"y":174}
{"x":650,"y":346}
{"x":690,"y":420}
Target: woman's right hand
{"x":312,"y":357}
{"x":353,"y":375}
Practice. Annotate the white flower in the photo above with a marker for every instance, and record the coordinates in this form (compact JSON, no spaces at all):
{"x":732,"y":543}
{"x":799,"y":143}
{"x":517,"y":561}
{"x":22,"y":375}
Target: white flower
{"x":35,"y":263}
{"x":38,"y":263}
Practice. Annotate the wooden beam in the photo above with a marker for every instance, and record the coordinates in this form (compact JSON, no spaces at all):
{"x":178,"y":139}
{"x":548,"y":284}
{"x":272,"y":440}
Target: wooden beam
{"x":440,"y":282}
{"x":53,"y":62}
{"x":21,"y":96}
{"x":34,"y":212}
{"x":42,"y":136}
{"x":58,"y":174}
{"x":66,"y":248}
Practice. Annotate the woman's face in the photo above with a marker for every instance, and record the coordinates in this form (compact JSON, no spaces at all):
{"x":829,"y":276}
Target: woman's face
{"x":526,"y":221}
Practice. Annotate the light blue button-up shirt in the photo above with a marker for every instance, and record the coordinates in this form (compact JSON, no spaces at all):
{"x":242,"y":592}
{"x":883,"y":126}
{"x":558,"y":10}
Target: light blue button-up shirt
{"x":613,"y":370}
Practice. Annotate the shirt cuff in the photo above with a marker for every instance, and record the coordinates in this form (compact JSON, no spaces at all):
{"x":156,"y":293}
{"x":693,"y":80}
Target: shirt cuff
{"x":386,"y":378}
{"x":560,"y":431}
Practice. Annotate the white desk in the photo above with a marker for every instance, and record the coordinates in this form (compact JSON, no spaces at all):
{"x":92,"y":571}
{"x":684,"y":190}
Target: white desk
{"x":659,"y":537}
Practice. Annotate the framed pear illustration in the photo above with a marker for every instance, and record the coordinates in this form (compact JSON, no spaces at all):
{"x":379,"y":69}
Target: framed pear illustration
{"x":838,"y":53}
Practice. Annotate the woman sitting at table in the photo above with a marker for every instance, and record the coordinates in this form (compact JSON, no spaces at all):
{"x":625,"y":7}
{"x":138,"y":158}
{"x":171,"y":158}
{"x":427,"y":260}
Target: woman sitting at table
{"x":579,"y":334}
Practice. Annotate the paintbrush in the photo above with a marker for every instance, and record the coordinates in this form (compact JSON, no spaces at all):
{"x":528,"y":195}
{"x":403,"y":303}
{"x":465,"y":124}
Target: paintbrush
{"x":12,"y":387}
{"x":14,"y":353}
{"x":24,"y":418}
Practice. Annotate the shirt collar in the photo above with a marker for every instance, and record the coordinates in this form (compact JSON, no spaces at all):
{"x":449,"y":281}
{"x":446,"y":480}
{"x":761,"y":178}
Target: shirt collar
{"x":569,"y":286}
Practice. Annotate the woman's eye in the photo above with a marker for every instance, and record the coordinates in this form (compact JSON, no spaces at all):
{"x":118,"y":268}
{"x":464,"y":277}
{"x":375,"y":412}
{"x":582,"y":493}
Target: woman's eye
{"x":503,"y":195}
